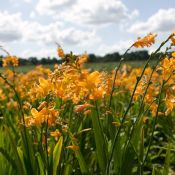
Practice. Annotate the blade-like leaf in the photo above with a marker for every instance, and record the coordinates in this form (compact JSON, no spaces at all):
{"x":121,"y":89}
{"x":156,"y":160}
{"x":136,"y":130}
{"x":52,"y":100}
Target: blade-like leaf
{"x":57,"y":154}
{"x":41,"y":165}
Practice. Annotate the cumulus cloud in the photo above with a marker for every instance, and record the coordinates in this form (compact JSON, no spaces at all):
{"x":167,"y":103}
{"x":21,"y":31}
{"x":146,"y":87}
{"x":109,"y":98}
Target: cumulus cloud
{"x":10,"y":27}
{"x":77,"y":37}
{"x":17,"y":2}
{"x":52,"y":6}
{"x":67,"y":23}
{"x":49,"y":52}
{"x":162,"y":21}
{"x":27,"y":1}
{"x":14,"y":28}
{"x":55,"y":32}
{"x":96,"y":12}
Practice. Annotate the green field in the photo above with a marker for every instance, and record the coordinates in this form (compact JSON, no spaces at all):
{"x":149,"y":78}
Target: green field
{"x":101,"y":66}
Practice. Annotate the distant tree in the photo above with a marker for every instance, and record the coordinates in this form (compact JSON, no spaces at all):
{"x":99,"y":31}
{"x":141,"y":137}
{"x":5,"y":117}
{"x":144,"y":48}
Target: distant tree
{"x":111,"y":57}
{"x":33,"y":60}
{"x":138,"y":55}
{"x":92,"y":58}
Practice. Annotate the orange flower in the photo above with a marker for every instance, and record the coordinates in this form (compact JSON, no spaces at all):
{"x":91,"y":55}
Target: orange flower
{"x":173,"y":40}
{"x":87,"y":112}
{"x":82,"y":59}
{"x":73,"y":147}
{"x":116,"y":123}
{"x":60,"y":52}
{"x":146,"y":41}
{"x":173,"y":54}
{"x":56,"y":134}
{"x":10,"y":61}
{"x":39,"y":117}
{"x":42,"y":105}
{"x":80,"y":108}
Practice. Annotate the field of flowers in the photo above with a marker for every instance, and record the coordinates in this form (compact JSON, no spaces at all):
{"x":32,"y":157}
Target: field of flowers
{"x":75,"y":121}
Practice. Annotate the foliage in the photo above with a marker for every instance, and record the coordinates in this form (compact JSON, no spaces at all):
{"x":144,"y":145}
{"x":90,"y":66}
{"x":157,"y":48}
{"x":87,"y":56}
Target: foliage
{"x":75,"y":121}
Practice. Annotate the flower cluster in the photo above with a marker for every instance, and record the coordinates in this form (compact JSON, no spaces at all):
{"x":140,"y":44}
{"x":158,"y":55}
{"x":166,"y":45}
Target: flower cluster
{"x":10,"y":61}
{"x":146,"y":41}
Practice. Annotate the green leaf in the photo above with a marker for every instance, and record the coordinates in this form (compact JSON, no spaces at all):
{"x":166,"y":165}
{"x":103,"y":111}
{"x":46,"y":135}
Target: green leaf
{"x":21,"y":156}
{"x":8,"y":157}
{"x":101,"y":147}
{"x":68,"y":169}
{"x":153,"y":172}
{"x":41,"y":165}
{"x":21,"y":170}
{"x":167,"y":161}
{"x":81,"y":161}
{"x":57,"y":154}
{"x":28,"y":151}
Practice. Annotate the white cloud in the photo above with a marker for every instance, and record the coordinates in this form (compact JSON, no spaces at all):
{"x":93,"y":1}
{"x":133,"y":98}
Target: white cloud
{"x":55,"y":32}
{"x":32,"y":15}
{"x":10,"y":27}
{"x":162,"y":21}
{"x":14,"y":28}
{"x":76,"y":37}
{"x":49,"y":52}
{"x":27,"y":1}
{"x":52,"y":6}
{"x":120,"y":46}
{"x":17,"y":2}
{"x":96,"y":12}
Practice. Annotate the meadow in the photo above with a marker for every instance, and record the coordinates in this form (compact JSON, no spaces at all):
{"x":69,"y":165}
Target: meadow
{"x":99,"y":66}
{"x":80,"y":118}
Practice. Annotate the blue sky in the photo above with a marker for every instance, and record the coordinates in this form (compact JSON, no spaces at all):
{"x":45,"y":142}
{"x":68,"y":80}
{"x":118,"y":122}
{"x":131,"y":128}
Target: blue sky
{"x":31,"y":27}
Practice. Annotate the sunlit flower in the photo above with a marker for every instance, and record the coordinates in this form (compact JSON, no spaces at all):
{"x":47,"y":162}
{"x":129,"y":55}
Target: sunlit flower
{"x":80,"y":108}
{"x":10,"y":61}
{"x":56,"y":134}
{"x":60,"y":52}
{"x":73,"y":147}
{"x":45,"y":115}
{"x":146,"y":41}
{"x":82,"y":59}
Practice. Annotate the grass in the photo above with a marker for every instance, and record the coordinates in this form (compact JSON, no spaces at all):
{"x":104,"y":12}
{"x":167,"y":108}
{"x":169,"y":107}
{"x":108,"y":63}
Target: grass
{"x":101,"y":66}
{"x":108,"y":66}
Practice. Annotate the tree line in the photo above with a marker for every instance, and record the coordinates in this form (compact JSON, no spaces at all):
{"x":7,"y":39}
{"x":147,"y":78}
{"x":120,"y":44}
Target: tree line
{"x":111,"y":57}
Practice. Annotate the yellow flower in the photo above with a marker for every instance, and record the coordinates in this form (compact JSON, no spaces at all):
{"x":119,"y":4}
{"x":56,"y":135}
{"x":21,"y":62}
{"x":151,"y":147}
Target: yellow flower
{"x":80,"y":108}
{"x":12,"y":104}
{"x":42,"y":105}
{"x":173,"y":40}
{"x":173,"y":54}
{"x":82,"y":59}
{"x":45,"y":115}
{"x":60,"y":52}
{"x":146,"y":41}
{"x":73,"y":147}
{"x":170,"y":103}
{"x":10,"y":61}
{"x":56,"y":134}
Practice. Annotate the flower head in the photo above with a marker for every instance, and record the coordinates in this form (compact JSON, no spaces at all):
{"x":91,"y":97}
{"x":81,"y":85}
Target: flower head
{"x":10,"y":61}
{"x":146,"y":41}
{"x":60,"y":52}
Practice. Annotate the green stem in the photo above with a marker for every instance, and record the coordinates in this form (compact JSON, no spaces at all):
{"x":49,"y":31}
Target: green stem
{"x":156,"y":118}
{"x":46,"y":132}
{"x":20,"y":111}
{"x":115,"y":75}
{"x":154,"y":125}
{"x":130,"y":103}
